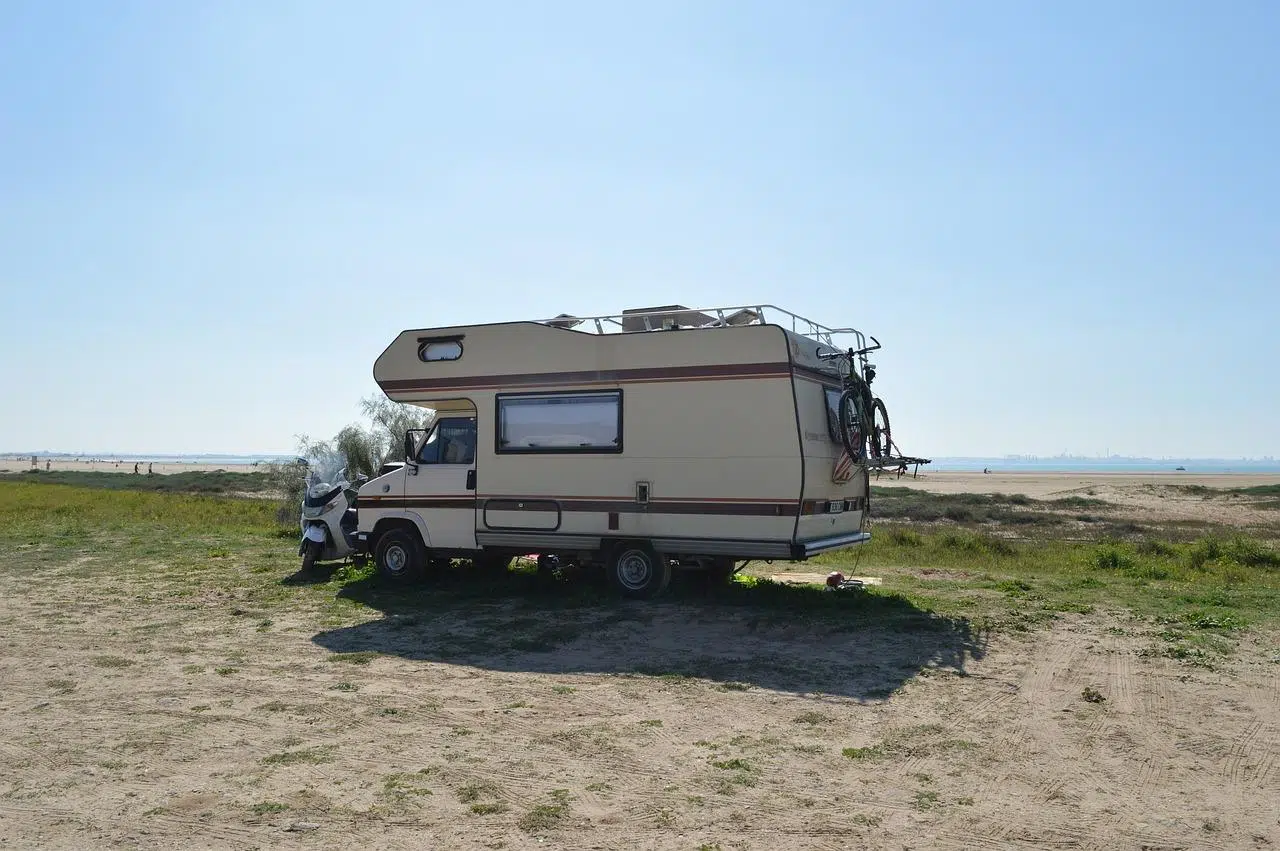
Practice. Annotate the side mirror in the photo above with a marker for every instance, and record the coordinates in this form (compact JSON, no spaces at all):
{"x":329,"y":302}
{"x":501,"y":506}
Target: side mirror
{"x":410,"y":462}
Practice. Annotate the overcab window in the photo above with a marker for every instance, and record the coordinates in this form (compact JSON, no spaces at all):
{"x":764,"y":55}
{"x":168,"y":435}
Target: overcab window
{"x":560,"y":422}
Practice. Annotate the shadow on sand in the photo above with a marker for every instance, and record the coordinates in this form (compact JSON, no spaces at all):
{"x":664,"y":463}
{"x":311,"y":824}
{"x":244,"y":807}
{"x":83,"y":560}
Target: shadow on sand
{"x":862,"y":644}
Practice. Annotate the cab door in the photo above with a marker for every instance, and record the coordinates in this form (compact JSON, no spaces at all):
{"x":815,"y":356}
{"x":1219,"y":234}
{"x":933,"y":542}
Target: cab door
{"x":442,"y":489}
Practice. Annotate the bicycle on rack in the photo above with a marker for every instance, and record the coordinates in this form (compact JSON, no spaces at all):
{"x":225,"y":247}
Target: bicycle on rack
{"x":863,"y":417}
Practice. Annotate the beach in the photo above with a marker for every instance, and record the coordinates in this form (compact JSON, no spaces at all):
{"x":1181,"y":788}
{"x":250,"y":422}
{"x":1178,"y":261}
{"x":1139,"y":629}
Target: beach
{"x":16,"y":464}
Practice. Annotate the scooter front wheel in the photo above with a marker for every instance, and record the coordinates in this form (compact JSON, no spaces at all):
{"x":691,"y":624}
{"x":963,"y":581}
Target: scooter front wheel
{"x":310,"y":552}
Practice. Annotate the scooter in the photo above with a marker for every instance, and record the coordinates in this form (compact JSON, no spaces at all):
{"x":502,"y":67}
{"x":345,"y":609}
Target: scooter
{"x":329,"y":518}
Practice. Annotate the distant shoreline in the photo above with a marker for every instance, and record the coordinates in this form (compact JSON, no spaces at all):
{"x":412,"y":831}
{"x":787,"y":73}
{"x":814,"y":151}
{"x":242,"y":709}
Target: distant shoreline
{"x":15,"y":461}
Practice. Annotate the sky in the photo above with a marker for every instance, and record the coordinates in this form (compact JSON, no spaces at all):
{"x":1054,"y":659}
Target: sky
{"x":1061,"y":220}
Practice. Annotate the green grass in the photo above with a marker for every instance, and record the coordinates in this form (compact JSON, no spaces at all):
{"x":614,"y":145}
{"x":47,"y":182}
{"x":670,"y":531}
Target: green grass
{"x":214,"y":482}
{"x":546,"y":816}
{"x":308,"y":756}
{"x":1001,"y":584}
{"x":487,"y":809}
{"x":901,"y":503}
{"x":267,"y":808}
{"x":1259,"y":490}
{"x":65,"y":515}
{"x":941,"y":580}
{"x":475,"y":791}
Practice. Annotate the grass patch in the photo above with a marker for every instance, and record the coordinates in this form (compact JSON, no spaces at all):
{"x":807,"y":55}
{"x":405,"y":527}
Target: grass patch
{"x":546,"y":816}
{"x":488,"y":809}
{"x":926,"y":800}
{"x":1259,"y":490}
{"x":401,"y":787}
{"x":267,"y":808}
{"x":475,"y":791}
{"x":920,"y":506}
{"x":111,"y":661}
{"x":362,"y":657}
{"x":214,"y":482}
{"x":309,"y":756}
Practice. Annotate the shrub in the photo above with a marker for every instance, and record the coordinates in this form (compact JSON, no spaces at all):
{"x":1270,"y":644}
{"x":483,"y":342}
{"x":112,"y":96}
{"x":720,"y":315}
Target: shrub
{"x":1110,"y":557}
{"x":905,"y":538}
{"x":1150,"y":547}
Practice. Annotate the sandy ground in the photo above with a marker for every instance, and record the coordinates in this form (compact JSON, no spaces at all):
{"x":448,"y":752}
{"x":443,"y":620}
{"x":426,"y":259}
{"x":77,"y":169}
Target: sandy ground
{"x":1053,"y":485}
{"x":130,"y":718}
{"x":1152,"y":500}
{"x":12,"y":464}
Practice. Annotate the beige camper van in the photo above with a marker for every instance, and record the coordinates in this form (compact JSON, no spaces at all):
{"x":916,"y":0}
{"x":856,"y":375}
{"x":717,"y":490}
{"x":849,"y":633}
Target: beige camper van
{"x":652,"y":440}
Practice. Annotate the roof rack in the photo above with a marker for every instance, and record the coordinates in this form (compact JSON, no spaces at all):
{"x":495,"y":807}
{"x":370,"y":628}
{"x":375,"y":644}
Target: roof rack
{"x":670,"y":317}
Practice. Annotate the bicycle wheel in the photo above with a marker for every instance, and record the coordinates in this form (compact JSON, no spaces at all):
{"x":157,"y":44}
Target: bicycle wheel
{"x":853,"y":419}
{"x":881,"y":441}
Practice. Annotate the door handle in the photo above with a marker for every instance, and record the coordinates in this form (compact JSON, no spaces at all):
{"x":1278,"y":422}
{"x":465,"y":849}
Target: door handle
{"x":471,"y":480}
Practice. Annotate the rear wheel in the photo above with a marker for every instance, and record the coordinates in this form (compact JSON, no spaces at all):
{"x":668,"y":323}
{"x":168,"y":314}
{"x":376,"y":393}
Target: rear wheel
{"x":638,"y":572}
{"x":881,"y":442}
{"x":492,"y":565}
{"x":399,"y":556}
{"x":721,"y":570}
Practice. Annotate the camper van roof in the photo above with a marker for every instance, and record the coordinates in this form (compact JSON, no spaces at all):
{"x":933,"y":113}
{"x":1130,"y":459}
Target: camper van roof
{"x":672,"y":316}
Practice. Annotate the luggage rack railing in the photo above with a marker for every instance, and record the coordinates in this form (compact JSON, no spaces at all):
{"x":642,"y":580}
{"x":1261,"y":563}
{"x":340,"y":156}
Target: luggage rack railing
{"x":675,"y":316}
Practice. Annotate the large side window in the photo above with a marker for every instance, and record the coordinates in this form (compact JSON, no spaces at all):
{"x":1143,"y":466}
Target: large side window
{"x":560,"y":422}
{"x":452,"y":441}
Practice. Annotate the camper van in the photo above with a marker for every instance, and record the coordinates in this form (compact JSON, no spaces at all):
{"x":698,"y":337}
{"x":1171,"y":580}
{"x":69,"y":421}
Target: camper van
{"x":649,"y":441}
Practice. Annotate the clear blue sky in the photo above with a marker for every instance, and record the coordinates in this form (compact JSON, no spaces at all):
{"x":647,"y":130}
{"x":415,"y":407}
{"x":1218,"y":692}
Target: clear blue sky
{"x":1062,"y":220}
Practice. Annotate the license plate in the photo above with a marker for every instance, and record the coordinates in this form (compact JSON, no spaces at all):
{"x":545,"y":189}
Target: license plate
{"x":835,"y":506}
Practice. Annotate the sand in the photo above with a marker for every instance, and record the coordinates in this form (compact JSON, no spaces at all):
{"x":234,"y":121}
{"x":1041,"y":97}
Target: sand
{"x":1041,"y":485}
{"x":128,"y":723}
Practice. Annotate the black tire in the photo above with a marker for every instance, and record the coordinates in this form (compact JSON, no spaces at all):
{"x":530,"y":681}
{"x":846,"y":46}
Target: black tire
{"x":721,"y":570}
{"x":492,"y":565}
{"x":852,"y":431}
{"x":549,"y":567}
{"x":881,"y":441}
{"x":638,"y":572}
{"x":310,"y":553}
{"x":399,"y":556}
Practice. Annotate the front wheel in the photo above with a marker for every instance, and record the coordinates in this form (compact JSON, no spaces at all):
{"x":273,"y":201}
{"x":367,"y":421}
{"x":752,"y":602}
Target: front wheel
{"x":399,"y":556}
{"x":638,"y":572}
{"x":310,"y":552}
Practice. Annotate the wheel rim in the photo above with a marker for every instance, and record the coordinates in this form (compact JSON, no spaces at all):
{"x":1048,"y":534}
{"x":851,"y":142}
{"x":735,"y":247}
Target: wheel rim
{"x":635,"y":570}
{"x":395,"y":559}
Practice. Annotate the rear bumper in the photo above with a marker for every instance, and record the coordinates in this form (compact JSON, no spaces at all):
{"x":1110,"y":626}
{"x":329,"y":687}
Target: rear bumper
{"x":807,"y":549}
